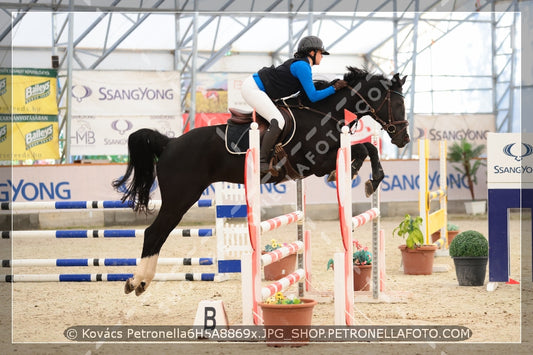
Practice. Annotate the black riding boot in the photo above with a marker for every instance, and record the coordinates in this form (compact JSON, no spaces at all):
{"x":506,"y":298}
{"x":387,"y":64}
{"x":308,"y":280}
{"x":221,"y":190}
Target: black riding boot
{"x":269,"y":140}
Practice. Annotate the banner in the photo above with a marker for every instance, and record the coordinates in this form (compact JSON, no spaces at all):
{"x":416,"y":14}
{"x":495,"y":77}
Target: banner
{"x":108,"y":135}
{"x":453,"y":128}
{"x":125,"y":93}
{"x":93,"y":182}
{"x":28,"y":114}
{"x":108,"y":106}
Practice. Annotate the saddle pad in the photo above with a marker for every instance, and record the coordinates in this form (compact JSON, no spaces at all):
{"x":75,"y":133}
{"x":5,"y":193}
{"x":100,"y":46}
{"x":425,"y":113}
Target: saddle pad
{"x":237,"y":138}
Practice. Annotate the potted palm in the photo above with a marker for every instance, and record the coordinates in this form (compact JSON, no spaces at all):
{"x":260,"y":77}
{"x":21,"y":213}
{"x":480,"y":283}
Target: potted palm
{"x":362,"y":267}
{"x":467,"y":155}
{"x":470,"y":250}
{"x":417,"y":257}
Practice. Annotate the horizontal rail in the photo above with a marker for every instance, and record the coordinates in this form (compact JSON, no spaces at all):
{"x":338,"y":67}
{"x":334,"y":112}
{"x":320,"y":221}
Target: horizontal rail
{"x":102,"y":262}
{"x":433,"y":195}
{"x":282,"y":283}
{"x":365,"y":217}
{"x":102,"y":233}
{"x":103,"y":277}
{"x":280,"y":253}
{"x":69,"y":205}
{"x":283,"y":220}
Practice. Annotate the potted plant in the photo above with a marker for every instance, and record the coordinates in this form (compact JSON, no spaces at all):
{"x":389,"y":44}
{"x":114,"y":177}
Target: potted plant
{"x":470,"y":251}
{"x":452,"y":229}
{"x":362,"y":267}
{"x":467,"y":156}
{"x":417,"y":257}
{"x":283,"y":314}
{"x":280,"y":268}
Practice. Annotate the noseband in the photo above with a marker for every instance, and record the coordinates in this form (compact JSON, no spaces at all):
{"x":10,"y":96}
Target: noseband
{"x":392,"y":126}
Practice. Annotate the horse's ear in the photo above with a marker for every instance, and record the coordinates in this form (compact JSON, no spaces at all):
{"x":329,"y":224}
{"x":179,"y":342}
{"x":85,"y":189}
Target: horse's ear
{"x":396,"y":78}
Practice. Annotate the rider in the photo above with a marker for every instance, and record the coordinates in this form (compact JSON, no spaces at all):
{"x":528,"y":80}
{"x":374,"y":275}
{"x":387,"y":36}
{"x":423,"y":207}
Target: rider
{"x":271,"y":83}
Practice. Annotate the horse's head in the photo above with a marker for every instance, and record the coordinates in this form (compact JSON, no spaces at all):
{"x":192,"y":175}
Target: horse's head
{"x":382,"y":99}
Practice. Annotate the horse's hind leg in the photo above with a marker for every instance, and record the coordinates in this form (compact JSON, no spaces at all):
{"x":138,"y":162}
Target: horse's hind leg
{"x":155,"y":236}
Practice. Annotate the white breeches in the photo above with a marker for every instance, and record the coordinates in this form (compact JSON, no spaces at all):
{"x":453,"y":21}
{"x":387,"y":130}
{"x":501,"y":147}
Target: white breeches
{"x":259,"y":100}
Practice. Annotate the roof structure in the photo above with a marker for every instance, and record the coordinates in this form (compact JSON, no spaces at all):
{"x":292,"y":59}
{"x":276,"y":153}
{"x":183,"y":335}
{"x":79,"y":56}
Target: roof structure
{"x":412,"y":37}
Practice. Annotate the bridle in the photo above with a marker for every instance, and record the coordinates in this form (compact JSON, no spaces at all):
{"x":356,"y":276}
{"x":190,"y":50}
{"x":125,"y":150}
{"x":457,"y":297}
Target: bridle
{"x":392,"y":126}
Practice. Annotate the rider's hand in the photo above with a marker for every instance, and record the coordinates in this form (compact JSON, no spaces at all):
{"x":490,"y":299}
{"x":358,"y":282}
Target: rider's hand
{"x":339,"y":84}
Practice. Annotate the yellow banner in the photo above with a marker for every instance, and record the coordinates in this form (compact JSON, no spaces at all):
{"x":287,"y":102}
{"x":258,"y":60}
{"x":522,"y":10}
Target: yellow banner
{"x":28,"y":114}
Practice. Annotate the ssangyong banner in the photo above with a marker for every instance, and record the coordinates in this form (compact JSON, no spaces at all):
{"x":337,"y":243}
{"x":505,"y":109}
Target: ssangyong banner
{"x":125,"y":93}
{"x":453,"y":128}
{"x":108,"y":135}
{"x":108,"y":106}
{"x":93,"y":182}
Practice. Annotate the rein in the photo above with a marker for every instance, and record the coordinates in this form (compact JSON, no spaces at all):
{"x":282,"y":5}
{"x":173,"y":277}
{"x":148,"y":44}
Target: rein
{"x":390,"y":127}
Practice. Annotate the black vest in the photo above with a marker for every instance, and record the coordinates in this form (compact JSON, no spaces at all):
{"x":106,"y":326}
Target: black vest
{"x":278,"y":81}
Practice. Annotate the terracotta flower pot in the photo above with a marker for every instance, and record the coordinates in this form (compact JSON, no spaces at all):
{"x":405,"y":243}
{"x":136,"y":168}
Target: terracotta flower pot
{"x":362,"y":277}
{"x":280,"y":268}
{"x":451,"y":234}
{"x":285,"y":322}
{"x":418,"y":261}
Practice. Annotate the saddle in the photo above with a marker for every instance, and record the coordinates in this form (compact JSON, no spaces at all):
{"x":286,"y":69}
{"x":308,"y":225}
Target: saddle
{"x":237,"y":141}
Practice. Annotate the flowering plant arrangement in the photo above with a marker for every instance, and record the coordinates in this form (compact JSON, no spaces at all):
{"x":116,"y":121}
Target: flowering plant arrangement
{"x":274,"y":244}
{"x":279,"y":298}
{"x":361,"y":256}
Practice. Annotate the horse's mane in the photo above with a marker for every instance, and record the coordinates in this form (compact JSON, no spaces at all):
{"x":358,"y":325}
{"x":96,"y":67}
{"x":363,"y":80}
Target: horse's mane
{"x":356,"y":75}
{"x":353,"y":76}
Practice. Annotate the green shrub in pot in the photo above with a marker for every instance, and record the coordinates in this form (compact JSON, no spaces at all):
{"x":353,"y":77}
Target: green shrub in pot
{"x":469,"y":243}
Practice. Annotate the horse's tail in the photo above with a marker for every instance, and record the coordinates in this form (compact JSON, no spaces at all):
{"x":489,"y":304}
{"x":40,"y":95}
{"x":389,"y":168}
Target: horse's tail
{"x":145,"y":146}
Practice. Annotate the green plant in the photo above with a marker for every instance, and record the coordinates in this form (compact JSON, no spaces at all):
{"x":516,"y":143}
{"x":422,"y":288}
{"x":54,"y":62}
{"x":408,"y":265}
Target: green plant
{"x":409,"y":229}
{"x":274,"y":244}
{"x":469,"y":243}
{"x":466,"y":154}
{"x":361,"y":256}
{"x":280,"y":298}
{"x":452,"y":227}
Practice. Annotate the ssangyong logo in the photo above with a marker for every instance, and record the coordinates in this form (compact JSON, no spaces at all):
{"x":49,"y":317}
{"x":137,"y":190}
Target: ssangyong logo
{"x":80,"y":92}
{"x":518,"y":157}
{"x":39,"y":136}
{"x":37,"y":91}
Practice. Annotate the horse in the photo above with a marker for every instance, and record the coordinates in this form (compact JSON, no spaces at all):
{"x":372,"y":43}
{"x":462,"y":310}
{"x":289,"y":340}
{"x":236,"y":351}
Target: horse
{"x":185,"y":166}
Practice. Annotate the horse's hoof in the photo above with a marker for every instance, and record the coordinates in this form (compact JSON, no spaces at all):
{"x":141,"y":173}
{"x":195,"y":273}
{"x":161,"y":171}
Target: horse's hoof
{"x":369,"y":189}
{"x":332,"y":176}
{"x":128,"y":287}
{"x":140,"y":289}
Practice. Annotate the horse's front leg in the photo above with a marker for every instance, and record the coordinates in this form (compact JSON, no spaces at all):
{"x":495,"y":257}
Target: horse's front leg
{"x":359,"y":154}
{"x":377,"y":170}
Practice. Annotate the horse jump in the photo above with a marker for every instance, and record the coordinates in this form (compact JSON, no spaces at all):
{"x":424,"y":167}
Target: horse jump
{"x":251,"y":271}
{"x":231,"y":241}
{"x":344,"y":288}
{"x":438,"y":219}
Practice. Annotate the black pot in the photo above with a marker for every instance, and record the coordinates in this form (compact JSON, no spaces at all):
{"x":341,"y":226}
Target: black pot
{"x":470,"y":271}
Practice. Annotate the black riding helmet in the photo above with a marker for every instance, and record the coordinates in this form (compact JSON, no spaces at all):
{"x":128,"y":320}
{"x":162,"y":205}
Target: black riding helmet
{"x":309,"y":44}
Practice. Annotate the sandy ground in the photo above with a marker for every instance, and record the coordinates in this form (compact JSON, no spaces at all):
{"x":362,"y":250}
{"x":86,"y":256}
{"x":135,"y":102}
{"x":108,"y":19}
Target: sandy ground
{"x":43,"y":311}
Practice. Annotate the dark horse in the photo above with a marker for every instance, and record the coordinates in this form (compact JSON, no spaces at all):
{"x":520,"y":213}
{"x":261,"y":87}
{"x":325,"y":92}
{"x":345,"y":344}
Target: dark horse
{"x":185,"y":166}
